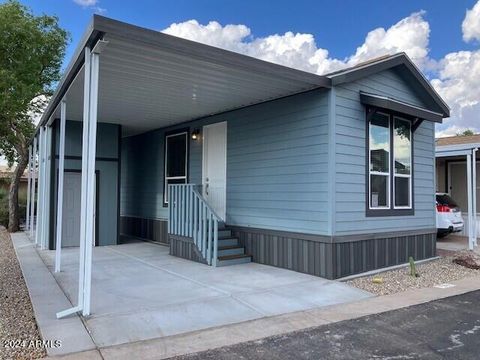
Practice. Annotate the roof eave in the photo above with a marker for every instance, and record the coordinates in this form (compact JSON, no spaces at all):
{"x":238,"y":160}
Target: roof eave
{"x":353,"y":74}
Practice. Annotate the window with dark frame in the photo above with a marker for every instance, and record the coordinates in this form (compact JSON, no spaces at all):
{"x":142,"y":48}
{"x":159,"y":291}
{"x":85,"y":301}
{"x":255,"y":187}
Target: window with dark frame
{"x":175,"y":160}
{"x":389,"y":184}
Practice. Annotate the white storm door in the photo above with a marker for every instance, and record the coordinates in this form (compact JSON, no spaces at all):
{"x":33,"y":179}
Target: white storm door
{"x":214,"y":174}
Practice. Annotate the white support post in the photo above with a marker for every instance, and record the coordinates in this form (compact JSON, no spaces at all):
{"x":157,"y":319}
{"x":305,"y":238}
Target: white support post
{"x":34,"y":173}
{"x":90,"y":211}
{"x":38,"y":230}
{"x":469,"y":197}
{"x":474,"y":195}
{"x":29,"y":184}
{"x":46,"y":188}
{"x":87,"y":206}
{"x":61,"y":170}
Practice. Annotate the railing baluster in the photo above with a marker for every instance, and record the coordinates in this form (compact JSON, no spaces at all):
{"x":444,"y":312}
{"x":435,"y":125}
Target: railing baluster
{"x":189,"y":215}
{"x":187,"y":207}
{"x":215,"y":242}
{"x":205,"y":232}
{"x":200,"y":224}
{"x":169,"y":226}
{"x":194,"y":222}
{"x":177,"y":210}
{"x":205,"y":244}
{"x":183,"y":210}
{"x":190,"y":210}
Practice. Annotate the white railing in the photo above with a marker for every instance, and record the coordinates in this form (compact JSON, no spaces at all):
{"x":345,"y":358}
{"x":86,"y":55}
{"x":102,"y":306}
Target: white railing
{"x":189,"y":215}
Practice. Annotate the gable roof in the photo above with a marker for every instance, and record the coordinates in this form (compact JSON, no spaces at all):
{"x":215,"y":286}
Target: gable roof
{"x":458,"y":140}
{"x":386,"y":62}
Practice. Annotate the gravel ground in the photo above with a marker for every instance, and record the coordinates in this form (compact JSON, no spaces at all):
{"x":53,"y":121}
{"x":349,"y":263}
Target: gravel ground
{"x":432,"y":273}
{"x":17,"y":322}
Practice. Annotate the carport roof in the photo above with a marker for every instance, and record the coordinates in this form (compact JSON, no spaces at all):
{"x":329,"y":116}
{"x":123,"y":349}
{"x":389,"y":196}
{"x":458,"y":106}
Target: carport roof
{"x":149,"y":80}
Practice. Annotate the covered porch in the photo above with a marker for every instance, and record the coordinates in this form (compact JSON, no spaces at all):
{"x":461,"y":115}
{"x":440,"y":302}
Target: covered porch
{"x":457,"y":167}
{"x":138,"y":81}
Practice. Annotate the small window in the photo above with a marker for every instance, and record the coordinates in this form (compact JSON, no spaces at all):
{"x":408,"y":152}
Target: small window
{"x":389,"y":164}
{"x":176,"y":160}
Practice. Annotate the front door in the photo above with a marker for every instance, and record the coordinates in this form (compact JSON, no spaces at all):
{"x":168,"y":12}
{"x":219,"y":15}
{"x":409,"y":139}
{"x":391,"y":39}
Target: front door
{"x":214,"y":178}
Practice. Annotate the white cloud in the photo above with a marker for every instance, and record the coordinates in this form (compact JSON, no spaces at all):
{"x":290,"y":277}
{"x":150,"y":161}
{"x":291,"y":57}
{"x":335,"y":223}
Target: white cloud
{"x":92,"y":5}
{"x":471,"y":24}
{"x":86,"y":3}
{"x":299,"y":50}
{"x":456,"y":76}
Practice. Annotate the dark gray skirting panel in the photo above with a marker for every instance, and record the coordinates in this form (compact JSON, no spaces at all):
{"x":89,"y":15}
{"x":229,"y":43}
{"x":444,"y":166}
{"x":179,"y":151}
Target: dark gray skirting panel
{"x":333,"y":260}
{"x":185,"y":248}
{"x":149,"y":229}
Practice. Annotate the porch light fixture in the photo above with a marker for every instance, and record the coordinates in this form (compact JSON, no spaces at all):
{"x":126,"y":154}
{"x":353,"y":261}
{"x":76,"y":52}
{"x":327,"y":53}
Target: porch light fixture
{"x":195,"y":134}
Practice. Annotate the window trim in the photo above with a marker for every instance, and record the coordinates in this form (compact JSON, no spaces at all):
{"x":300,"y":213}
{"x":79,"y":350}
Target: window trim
{"x":179,"y":132}
{"x":391,"y":210}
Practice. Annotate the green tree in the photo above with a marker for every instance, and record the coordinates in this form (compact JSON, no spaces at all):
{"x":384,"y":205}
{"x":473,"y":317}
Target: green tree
{"x":467,"y":132}
{"x":31,"y":53}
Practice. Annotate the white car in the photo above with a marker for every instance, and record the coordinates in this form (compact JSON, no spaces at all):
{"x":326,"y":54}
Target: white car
{"x":449,"y":216}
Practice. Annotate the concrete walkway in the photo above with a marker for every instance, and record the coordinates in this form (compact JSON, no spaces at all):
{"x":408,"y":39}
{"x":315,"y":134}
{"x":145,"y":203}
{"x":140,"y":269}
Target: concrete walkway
{"x":47,"y":298}
{"x":140,"y":292}
{"x":216,"y":336}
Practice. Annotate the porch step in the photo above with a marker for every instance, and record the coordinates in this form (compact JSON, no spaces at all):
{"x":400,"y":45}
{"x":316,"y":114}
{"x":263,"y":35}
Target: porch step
{"x":230,"y":250}
{"x":222,"y":242}
{"x":233,"y":259}
{"x":224,"y":233}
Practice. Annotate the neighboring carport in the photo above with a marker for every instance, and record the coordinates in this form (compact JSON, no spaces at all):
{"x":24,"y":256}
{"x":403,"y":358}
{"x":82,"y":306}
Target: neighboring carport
{"x":141,"y":80}
{"x":452,"y":153}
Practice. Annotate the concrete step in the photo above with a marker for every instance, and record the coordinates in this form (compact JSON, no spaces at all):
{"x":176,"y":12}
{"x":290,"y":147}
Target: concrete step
{"x":230,"y":250}
{"x":233,"y":260}
{"x":227,"y":242}
{"x":224,"y":233}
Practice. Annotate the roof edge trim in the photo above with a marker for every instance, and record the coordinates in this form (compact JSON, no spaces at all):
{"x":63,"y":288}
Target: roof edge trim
{"x":371,"y":68}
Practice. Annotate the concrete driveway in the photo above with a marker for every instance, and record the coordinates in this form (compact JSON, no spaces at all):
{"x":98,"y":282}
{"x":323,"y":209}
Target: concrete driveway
{"x":140,"y":292}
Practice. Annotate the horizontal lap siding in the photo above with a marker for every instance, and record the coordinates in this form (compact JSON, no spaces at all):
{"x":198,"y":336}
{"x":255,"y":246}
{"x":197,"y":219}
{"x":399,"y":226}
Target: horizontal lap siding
{"x":277,"y":165}
{"x":350,"y":154}
{"x":142,"y":176}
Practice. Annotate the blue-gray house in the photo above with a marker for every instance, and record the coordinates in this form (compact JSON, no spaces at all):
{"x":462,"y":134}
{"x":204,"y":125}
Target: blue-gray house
{"x":230,"y":159}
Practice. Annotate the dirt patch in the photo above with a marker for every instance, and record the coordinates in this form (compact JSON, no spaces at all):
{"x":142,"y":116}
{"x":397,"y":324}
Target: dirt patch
{"x":468,"y":259}
{"x":435,"y":272}
{"x":19,"y":335}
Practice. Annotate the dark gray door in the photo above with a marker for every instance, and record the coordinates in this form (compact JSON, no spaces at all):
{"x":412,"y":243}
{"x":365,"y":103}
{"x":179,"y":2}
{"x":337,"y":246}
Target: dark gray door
{"x":71,"y":209}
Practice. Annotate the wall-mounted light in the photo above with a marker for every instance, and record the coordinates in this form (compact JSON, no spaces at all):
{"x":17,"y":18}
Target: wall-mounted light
{"x":195,"y":134}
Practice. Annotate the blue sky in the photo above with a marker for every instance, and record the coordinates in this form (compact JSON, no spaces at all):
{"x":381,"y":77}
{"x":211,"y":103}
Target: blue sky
{"x":339,"y":26}
{"x":442,"y":37}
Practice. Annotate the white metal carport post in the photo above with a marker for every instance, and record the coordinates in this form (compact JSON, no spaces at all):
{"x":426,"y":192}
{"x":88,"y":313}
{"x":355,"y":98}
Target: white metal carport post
{"x":89,"y":137}
{"x":61,"y":169}
{"x":32,"y":197}
{"x":29,"y":184}
{"x":470,"y":201}
{"x":474,"y":195}
{"x":38,"y":227}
